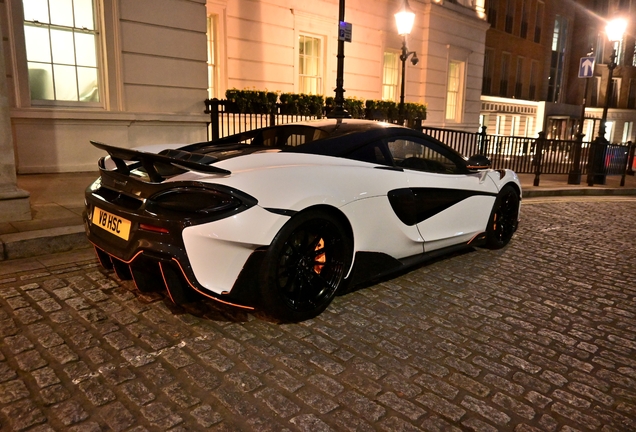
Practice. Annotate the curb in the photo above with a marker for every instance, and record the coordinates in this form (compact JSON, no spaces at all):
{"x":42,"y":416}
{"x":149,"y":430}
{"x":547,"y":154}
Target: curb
{"x":577,"y":192}
{"x":42,"y":242}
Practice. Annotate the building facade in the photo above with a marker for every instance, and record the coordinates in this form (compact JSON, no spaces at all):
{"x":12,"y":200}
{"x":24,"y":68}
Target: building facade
{"x":137,"y":72}
{"x":531,"y":69}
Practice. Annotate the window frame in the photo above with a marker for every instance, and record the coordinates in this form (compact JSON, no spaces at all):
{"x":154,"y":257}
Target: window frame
{"x":456,"y":114}
{"x":21,"y":63}
{"x":395,"y":87}
{"x":321,"y":63}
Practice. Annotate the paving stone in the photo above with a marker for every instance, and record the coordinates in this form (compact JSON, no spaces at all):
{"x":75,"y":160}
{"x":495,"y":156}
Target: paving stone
{"x":116,"y":416}
{"x":137,"y":356}
{"x":180,"y":396}
{"x":23,"y":414}
{"x":12,"y":391}
{"x":485,"y":410}
{"x":284,"y":380}
{"x":45,"y":377}
{"x":137,"y":392}
{"x":54,"y":394}
{"x":368,"y":409}
{"x":97,"y":392}
{"x":278,"y":403}
{"x":30,"y":360}
{"x":206,"y":416}
{"x":70,"y":412}
{"x":441,"y":406}
{"x":217,"y":360}
{"x":116,"y":375}
{"x":202,"y":377}
{"x":310,"y":423}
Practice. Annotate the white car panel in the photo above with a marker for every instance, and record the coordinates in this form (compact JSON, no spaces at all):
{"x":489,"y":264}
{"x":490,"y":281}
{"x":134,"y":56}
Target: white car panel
{"x":318,"y":179}
{"x":383,"y":232}
{"x":218,"y":250}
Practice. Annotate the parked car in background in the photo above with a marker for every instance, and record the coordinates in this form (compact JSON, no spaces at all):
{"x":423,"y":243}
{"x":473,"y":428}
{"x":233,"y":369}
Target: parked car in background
{"x":285,"y":217}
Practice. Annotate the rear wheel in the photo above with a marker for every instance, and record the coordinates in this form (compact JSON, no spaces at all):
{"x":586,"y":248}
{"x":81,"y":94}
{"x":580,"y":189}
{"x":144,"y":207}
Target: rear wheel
{"x":503,"y":219}
{"x":305,"y":265}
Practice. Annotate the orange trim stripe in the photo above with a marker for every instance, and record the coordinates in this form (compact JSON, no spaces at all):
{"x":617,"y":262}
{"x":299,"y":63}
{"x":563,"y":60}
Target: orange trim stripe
{"x":184,"y":276}
{"x":208,"y":295}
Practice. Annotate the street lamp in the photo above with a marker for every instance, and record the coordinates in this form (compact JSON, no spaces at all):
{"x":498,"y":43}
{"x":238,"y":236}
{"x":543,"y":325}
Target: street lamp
{"x":596,"y":170}
{"x":339,"y":112}
{"x":404,"y":20}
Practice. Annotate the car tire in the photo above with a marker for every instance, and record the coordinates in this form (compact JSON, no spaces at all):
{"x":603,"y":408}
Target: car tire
{"x":305,"y":266}
{"x":503,"y":219}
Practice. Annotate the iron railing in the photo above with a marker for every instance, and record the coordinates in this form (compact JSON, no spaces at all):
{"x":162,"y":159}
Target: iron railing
{"x":524,"y":155}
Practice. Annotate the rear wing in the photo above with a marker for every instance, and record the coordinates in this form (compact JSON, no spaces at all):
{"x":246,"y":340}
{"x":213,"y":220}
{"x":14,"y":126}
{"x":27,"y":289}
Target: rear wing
{"x":152,"y":162}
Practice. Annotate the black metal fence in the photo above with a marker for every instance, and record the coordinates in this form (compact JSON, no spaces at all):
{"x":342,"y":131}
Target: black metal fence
{"x":524,"y":155}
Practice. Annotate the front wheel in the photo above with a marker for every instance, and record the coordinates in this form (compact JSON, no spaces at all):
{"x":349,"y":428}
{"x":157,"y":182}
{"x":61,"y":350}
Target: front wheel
{"x":304,"y":266}
{"x":503,"y":219}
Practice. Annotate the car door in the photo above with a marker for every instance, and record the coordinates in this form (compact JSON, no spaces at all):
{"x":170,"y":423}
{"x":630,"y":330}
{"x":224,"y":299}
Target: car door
{"x":448,"y":204}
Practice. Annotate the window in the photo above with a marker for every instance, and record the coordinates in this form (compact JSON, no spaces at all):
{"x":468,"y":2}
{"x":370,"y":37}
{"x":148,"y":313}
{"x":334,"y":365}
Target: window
{"x":523,"y":31}
{"x":310,"y":64}
{"x":618,"y":47}
{"x":454,"y":91}
{"x":390,"y":76}
{"x":486,"y":85}
{"x":534,"y":71}
{"x":601,"y":37}
{"x":616,"y":86}
{"x":500,"y":124}
{"x":505,"y":72}
{"x":595,"y":81}
{"x":538,"y":23}
{"x":491,"y":11}
{"x":519,"y":78}
{"x":557,"y":60}
{"x":212,"y":57}
{"x":628,"y":128}
{"x":510,"y":15}
{"x":61,"y":50}
{"x":631,"y":96}
{"x":419,"y":155}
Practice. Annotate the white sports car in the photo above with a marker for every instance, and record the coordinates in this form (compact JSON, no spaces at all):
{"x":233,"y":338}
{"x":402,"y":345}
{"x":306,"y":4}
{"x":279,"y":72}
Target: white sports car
{"x":283,"y":218}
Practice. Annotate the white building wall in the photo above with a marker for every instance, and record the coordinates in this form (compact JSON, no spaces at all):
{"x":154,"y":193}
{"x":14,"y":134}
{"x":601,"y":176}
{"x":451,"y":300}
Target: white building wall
{"x":154,"y":71}
{"x":153,"y":79}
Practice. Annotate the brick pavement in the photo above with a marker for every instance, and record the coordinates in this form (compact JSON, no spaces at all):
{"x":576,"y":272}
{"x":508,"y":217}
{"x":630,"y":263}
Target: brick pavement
{"x":540,"y":336}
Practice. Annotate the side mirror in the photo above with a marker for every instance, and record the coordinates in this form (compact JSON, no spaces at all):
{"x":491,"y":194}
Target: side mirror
{"x":478,"y":162}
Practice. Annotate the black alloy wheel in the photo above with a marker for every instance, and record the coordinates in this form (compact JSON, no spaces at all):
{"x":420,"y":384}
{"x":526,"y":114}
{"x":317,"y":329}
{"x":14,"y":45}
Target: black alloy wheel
{"x":503,"y":219}
{"x":305,"y":265}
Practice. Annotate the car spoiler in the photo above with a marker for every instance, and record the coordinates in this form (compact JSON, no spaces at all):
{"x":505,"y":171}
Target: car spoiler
{"x":177,"y":158}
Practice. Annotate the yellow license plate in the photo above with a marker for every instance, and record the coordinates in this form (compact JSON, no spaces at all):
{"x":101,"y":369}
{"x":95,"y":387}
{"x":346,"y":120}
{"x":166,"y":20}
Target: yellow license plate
{"x":111,"y":223}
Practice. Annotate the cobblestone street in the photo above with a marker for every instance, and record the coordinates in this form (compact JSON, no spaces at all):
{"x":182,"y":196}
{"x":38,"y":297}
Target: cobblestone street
{"x":539,"y":336}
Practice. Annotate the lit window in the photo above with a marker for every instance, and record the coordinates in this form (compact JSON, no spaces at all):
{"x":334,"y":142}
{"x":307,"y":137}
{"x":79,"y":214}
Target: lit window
{"x":310,"y":64}
{"x":627,"y":131}
{"x":453,"y":92}
{"x":212,"y":56}
{"x":61,"y":48}
{"x":390,"y":77}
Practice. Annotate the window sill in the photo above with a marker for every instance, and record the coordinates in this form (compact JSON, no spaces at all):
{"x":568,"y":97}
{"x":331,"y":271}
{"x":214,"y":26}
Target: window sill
{"x":57,"y":113}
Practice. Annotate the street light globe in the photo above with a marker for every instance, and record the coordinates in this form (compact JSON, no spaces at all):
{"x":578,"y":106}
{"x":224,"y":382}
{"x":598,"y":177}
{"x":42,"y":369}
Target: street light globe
{"x":615,"y":29}
{"x":405,"y":19}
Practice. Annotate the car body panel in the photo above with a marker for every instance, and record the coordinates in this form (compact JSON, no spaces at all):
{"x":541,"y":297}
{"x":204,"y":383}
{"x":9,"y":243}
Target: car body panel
{"x":218,"y":250}
{"x":467,"y":212}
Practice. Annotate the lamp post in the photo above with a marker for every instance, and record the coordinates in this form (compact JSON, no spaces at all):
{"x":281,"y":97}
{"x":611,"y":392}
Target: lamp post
{"x":339,"y":111}
{"x":404,"y":19}
{"x":596,"y":168}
